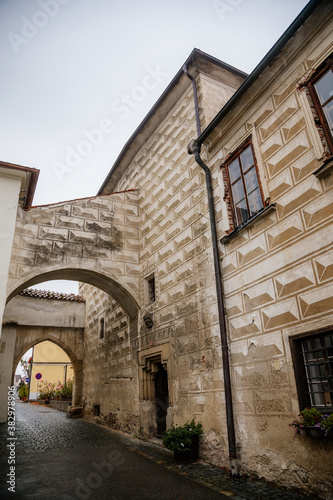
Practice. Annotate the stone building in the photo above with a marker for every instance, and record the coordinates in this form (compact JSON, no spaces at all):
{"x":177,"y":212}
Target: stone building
{"x":275,"y":249}
{"x":208,"y":276}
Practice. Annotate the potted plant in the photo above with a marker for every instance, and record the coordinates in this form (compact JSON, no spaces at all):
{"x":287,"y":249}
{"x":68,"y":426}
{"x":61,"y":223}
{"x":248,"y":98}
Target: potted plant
{"x":313,"y":423}
{"x":183,"y":440}
{"x":23,"y":392}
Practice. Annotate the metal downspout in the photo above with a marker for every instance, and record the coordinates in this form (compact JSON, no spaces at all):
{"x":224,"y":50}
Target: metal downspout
{"x":194,"y":148}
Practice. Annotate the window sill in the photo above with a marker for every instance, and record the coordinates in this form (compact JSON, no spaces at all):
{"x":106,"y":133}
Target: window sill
{"x":247,"y":223}
{"x":325,"y":169}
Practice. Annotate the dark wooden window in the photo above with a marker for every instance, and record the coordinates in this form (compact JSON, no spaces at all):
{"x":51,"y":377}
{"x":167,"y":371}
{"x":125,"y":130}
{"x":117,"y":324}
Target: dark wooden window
{"x":245,"y":189}
{"x":313,"y":363}
{"x":321,"y":89}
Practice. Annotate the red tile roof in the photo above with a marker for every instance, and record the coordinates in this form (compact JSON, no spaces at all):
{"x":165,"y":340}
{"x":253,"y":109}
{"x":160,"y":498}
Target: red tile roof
{"x":47,"y":294}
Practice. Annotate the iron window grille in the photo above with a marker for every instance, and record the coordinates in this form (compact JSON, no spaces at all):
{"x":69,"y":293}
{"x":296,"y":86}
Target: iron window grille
{"x":313,"y":362}
{"x":244,"y":186}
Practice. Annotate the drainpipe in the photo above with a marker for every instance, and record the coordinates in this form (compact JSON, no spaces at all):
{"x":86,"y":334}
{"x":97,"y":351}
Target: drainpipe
{"x":194,"y":148}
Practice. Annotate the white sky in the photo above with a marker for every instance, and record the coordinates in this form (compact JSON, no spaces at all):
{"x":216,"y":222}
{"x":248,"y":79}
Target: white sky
{"x":66,"y":65}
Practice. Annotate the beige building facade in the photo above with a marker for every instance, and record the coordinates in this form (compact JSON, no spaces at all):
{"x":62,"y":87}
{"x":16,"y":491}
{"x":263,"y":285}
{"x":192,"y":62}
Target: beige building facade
{"x":276,"y":260}
{"x":212,"y":304}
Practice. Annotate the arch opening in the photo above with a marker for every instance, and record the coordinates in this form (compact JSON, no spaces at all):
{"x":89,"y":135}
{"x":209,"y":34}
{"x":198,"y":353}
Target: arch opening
{"x":61,"y":367}
{"x":110,"y":285}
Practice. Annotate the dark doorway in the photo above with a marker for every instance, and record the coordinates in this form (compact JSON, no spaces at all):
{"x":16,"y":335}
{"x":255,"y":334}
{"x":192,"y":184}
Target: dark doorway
{"x":162,"y":398}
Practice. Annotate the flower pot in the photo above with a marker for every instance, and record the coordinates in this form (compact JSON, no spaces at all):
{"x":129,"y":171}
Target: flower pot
{"x":191,"y":455}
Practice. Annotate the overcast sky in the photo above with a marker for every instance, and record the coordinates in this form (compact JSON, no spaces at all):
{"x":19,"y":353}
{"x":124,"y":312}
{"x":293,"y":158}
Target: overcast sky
{"x":78,"y":76}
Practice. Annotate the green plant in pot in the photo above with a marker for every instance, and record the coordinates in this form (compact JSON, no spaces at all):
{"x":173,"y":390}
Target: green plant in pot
{"x":183,"y":440}
{"x":23,"y":392}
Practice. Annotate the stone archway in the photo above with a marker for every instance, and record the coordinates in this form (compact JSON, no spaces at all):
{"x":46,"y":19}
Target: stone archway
{"x":21,"y":331}
{"x":94,"y":240}
{"x":31,"y":320}
{"x":108,"y":283}
{"x":25,"y":341}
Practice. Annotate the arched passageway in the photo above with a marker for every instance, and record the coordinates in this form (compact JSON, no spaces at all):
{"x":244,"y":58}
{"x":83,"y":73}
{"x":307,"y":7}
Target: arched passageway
{"x":24,"y":343}
{"x":92,"y":240}
{"x":115,"y":287}
{"x":31,"y":320}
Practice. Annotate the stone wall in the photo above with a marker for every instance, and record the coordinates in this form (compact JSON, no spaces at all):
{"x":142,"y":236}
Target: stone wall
{"x":110,"y":366}
{"x":175,"y":248}
{"x":92,"y":240}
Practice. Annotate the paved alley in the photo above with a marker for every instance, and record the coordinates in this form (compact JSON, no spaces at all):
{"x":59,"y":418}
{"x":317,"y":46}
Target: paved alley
{"x":60,"y":458}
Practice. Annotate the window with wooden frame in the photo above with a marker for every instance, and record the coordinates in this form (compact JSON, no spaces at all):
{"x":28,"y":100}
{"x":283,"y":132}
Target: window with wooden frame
{"x":321,"y":90}
{"x":313,"y":363}
{"x":244,"y":186}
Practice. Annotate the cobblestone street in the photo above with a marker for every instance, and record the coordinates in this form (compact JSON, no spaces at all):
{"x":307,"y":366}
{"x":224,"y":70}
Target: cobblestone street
{"x":60,"y":458}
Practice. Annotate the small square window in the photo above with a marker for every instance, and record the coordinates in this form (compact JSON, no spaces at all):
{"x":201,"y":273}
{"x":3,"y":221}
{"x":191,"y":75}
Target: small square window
{"x":313,"y":363}
{"x":244,"y":186}
{"x":101,"y":328}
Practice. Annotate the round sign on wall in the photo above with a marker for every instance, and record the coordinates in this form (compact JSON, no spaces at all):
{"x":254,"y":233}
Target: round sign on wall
{"x":38,"y":376}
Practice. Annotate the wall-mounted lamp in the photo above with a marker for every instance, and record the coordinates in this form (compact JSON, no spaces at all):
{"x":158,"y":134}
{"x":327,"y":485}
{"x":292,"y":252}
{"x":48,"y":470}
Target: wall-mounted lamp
{"x":148,"y":321}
